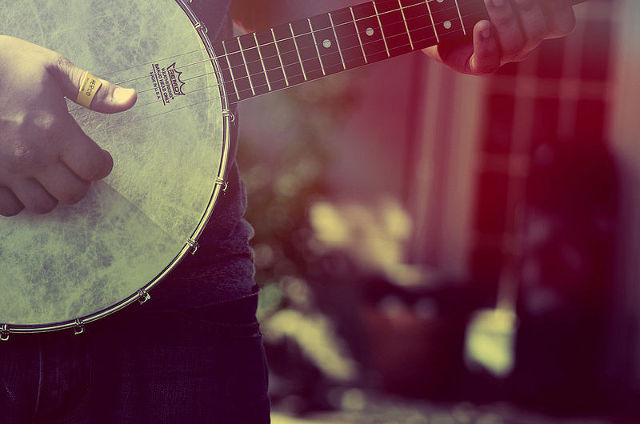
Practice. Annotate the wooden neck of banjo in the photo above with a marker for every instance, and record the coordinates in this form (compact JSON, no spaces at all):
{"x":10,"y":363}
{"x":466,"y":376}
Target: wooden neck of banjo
{"x":344,"y":39}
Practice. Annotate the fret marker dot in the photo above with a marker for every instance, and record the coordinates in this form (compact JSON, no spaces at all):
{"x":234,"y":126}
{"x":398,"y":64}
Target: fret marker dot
{"x":447,"y":25}
{"x":326,"y":44}
{"x":369,"y":32}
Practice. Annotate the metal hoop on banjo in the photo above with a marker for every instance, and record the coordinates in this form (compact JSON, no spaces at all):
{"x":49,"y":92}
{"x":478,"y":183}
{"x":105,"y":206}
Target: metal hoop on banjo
{"x":84,"y":262}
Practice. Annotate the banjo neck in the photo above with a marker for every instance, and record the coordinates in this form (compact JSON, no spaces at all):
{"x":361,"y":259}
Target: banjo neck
{"x":325,"y":44}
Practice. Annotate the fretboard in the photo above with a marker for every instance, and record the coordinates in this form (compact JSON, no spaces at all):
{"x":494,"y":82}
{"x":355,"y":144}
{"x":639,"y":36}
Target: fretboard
{"x":344,"y":39}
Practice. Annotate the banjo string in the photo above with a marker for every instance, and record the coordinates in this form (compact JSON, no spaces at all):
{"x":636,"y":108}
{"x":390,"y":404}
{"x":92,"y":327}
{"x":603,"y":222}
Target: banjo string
{"x":313,"y":32}
{"x":354,"y":46}
{"x":86,"y":112}
{"x":344,"y":49}
{"x":76,"y":108}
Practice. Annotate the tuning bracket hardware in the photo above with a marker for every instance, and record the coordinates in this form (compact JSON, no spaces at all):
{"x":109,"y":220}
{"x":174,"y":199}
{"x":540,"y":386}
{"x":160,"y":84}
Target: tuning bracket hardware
{"x":223,"y":183}
{"x":4,"y":333}
{"x":202,"y":26}
{"x":227,"y":112}
{"x":143,"y":296}
{"x":79,"y":327}
{"x":194,"y":245}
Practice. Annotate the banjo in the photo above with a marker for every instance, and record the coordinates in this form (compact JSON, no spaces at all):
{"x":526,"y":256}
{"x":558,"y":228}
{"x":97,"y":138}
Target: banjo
{"x":84,"y":262}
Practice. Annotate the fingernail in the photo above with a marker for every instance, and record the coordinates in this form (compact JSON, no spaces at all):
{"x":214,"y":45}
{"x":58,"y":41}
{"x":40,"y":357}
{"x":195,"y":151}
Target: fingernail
{"x":498,"y":3}
{"x":485,"y":30}
{"x":473,"y":63}
{"x":123,"y":95}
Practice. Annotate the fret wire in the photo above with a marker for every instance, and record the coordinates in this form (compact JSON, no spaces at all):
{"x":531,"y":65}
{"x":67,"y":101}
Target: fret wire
{"x":335,"y":34}
{"x":383,"y":13}
{"x":361,"y":19}
{"x":295,"y":42}
{"x":246,"y":67}
{"x":381,"y":30}
{"x":464,"y":30}
{"x":264,"y":68}
{"x":353,"y":47}
{"x":433,"y":23}
{"x":356,"y":46}
{"x":358,"y":34}
{"x":406,"y":25}
{"x":284,"y":72}
{"x":273,"y":69}
{"x":296,"y":74}
{"x":233,"y":78}
{"x":315,"y":41}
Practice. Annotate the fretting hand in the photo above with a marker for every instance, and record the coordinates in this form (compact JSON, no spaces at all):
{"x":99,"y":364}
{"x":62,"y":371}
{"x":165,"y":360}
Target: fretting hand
{"x":45,"y":157}
{"x":517,"y":27}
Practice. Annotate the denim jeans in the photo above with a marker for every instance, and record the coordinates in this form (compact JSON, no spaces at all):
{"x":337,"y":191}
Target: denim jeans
{"x":203,"y":365}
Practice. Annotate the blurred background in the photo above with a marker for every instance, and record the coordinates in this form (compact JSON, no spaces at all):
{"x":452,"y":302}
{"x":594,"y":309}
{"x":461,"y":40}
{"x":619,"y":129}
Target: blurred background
{"x":438,"y":248}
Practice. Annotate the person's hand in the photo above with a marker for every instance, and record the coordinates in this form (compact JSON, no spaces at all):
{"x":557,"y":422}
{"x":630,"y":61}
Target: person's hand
{"x":517,"y":27}
{"x":45,"y":157}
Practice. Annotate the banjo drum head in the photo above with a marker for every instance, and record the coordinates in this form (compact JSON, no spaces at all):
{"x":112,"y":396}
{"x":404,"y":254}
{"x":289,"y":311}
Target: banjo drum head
{"x":82,"y":262}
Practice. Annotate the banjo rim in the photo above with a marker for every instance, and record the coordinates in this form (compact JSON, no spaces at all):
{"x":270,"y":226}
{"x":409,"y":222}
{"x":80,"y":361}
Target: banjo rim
{"x":191,"y":246}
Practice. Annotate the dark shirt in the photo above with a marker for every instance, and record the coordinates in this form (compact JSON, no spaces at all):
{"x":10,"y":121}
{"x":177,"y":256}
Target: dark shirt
{"x":222,"y":270}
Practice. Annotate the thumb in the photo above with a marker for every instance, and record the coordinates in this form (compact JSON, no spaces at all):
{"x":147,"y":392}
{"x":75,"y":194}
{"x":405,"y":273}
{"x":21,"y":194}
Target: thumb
{"x":92,"y":92}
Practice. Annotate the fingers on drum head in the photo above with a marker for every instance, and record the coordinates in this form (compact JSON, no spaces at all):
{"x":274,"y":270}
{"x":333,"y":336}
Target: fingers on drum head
{"x":84,"y":157}
{"x":486,"y":56}
{"x":34,"y":197}
{"x":9,"y":203}
{"x":63,"y":184}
